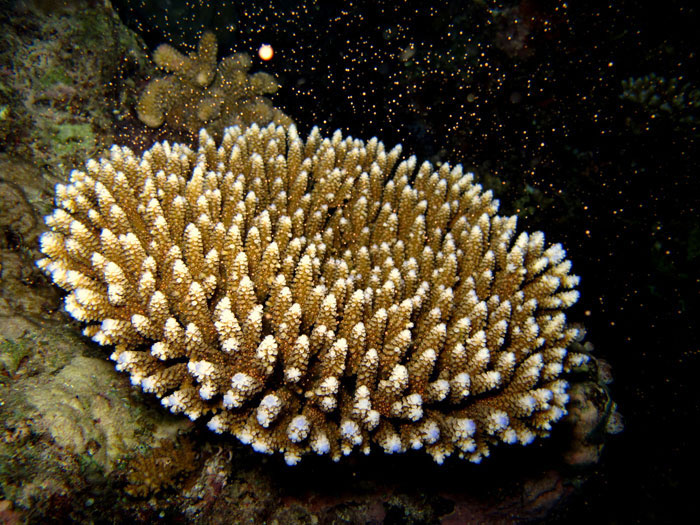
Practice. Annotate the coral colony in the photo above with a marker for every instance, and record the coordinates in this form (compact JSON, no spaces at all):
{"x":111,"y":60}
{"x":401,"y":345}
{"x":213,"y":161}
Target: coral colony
{"x":199,"y":92}
{"x":317,"y":296}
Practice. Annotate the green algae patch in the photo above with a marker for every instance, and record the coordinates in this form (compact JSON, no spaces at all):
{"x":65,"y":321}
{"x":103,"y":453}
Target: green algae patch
{"x":53,"y":76}
{"x":73,"y":139}
{"x":11,"y":355}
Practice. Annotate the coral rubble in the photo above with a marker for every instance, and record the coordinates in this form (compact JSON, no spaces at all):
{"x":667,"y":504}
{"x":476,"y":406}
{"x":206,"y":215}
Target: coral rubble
{"x":319,"y":295}
{"x":199,"y":92}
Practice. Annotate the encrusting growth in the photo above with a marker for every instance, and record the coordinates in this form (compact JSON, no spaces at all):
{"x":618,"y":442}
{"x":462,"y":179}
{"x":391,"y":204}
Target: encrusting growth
{"x":319,"y":295}
{"x":200,"y":92}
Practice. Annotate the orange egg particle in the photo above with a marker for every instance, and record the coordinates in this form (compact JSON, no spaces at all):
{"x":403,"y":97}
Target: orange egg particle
{"x":266,"y":52}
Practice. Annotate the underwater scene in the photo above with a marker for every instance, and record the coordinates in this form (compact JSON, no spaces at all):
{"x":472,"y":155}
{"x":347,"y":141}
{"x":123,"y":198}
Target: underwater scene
{"x":352,"y":262}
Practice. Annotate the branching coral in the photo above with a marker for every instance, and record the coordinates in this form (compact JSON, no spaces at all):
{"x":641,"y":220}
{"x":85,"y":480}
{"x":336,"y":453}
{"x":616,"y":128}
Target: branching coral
{"x":201,"y":93}
{"x":658,"y":95}
{"x":318,"y":295}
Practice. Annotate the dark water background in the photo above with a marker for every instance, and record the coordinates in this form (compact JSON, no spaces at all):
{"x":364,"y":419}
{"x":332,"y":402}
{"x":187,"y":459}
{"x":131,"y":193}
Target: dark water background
{"x":530,"y":96}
